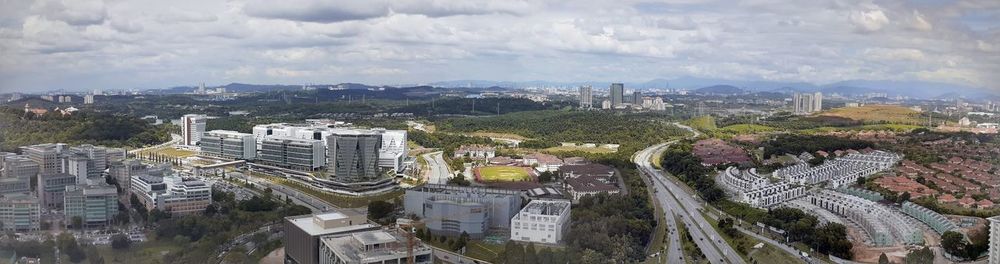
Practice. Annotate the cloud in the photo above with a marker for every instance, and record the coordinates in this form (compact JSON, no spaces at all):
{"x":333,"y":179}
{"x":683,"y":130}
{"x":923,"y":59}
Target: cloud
{"x":73,"y":12}
{"x":894,"y":54}
{"x":919,"y":22}
{"x":867,"y":21}
{"x":339,"y":11}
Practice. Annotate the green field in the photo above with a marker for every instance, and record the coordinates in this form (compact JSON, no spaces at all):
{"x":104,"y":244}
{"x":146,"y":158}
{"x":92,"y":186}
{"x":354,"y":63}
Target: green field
{"x":596,"y":150}
{"x":503,"y":173}
{"x":739,"y":129}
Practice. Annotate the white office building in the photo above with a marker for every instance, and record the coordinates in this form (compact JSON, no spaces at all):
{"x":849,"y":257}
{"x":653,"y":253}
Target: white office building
{"x":994,"y":246}
{"x":292,"y":153}
{"x":228,"y":145}
{"x":192,"y":128}
{"x":541,"y":221}
{"x":172,"y":194}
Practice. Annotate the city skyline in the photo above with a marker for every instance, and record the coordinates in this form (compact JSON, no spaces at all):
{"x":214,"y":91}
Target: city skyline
{"x":85,"y":45}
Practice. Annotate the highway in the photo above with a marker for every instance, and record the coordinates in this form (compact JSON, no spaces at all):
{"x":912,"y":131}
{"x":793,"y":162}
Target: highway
{"x":174,"y":139}
{"x":677,"y":200}
{"x":438,"y":170}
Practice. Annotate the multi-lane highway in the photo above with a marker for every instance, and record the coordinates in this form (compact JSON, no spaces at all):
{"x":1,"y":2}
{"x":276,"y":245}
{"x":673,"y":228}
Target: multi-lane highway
{"x":438,"y":170}
{"x":676,"y":200}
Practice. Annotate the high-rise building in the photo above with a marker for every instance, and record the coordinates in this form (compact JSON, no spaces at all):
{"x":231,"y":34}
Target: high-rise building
{"x":19,"y":212}
{"x":95,"y":205}
{"x":228,"y":145}
{"x":994,"y":246}
{"x":79,"y":165}
{"x":303,"y":233}
{"x":122,"y":172}
{"x":47,"y":156}
{"x":636,"y":98}
{"x":806,"y":103}
{"x":617,"y":94}
{"x":88,"y":99}
{"x":292,"y":153}
{"x":353,"y":156}
{"x":541,"y":221}
{"x":586,"y":97}
{"x":192,"y":128}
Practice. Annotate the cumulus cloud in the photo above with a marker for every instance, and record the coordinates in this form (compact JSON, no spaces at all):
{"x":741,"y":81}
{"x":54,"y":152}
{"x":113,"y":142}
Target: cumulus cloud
{"x":82,"y":44}
{"x":867,"y":21}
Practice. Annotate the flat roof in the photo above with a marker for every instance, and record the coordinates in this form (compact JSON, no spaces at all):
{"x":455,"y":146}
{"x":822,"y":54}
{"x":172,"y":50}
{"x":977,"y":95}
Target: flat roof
{"x":306,"y":223}
{"x":330,"y":216}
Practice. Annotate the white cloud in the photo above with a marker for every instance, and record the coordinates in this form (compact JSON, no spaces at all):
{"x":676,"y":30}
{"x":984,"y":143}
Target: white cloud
{"x":919,"y":22}
{"x":894,"y":54}
{"x":867,"y":21}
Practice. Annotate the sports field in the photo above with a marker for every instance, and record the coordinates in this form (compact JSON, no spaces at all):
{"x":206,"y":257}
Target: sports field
{"x":502,"y":173}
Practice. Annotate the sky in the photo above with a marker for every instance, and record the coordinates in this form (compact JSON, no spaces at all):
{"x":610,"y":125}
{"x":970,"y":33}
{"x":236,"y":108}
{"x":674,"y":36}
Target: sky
{"x":82,"y":45}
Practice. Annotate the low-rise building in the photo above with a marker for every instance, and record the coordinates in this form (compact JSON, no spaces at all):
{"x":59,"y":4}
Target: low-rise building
{"x":19,"y":212}
{"x":376,"y":246}
{"x":451,"y":210}
{"x":303,"y":232}
{"x":95,"y":205}
{"x":541,"y":221}
{"x":173,"y":194}
{"x":228,"y":145}
{"x":52,"y":187}
{"x":476,"y":152}
{"x":293,"y":153}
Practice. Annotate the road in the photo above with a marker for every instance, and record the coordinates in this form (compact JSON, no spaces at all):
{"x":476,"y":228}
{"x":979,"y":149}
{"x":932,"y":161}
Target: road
{"x":298,"y":197}
{"x":174,"y":139}
{"x":677,"y":200}
{"x":438,"y":172}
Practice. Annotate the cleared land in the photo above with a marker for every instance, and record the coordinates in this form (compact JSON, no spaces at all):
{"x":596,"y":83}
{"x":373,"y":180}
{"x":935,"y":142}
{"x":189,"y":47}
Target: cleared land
{"x":596,"y":150}
{"x":877,"y":113}
{"x":502,"y":173}
{"x":497,"y":135}
{"x":171,"y":152}
{"x":745,"y":129}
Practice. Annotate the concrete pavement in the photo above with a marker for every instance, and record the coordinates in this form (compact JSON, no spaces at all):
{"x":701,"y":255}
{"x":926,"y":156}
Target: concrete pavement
{"x":438,"y":170}
{"x":676,"y":199}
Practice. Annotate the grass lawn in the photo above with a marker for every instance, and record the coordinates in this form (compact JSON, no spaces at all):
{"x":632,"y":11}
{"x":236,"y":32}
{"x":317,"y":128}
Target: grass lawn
{"x":497,"y":135}
{"x":343,"y":201}
{"x":145,"y":252}
{"x":595,"y":150}
{"x":878,"y":113}
{"x":503,"y":173}
{"x":771,"y":254}
{"x":484,"y":251}
{"x":172,"y":152}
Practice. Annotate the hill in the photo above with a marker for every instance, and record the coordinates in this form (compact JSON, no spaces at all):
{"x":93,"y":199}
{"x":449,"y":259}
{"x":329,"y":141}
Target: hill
{"x":877,"y":114}
{"x":719,"y":89}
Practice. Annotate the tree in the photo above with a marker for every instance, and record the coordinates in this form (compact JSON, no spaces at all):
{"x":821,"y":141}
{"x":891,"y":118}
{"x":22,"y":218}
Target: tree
{"x":120,"y":241}
{"x":93,"y":256}
{"x":459,"y":180}
{"x":530,"y":255}
{"x":546,"y":176}
{"x":920,"y":256}
{"x":954,"y":243}
{"x":380,"y":209}
{"x":463,"y":240}
{"x":883,"y":259}
{"x":77,"y":222}
{"x":513,"y":253}
{"x":905,"y":196}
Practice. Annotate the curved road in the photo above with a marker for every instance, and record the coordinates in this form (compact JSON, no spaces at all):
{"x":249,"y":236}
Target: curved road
{"x":675,"y":199}
{"x":438,"y":172}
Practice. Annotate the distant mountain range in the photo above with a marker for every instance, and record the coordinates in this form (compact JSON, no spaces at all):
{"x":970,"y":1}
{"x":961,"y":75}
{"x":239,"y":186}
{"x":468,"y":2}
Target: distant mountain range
{"x":917,"y":89}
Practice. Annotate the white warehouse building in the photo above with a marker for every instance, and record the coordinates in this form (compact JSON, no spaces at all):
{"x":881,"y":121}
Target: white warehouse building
{"x":541,"y":221}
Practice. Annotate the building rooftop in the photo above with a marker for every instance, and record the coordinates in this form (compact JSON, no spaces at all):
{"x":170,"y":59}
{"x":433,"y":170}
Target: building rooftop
{"x":332,"y":222}
{"x":547,"y":207}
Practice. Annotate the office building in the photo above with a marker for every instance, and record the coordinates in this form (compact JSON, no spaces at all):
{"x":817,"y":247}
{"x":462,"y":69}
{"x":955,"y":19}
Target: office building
{"x":451,"y":210}
{"x":173,"y":194}
{"x":88,"y":99}
{"x":353,"y":156}
{"x":47,"y":156}
{"x":586,"y":97}
{"x":19,"y":212}
{"x":541,"y":221}
{"x":300,"y":131}
{"x":97,"y":155}
{"x":303,"y":233}
{"x":806,"y":103}
{"x":115,"y":154}
{"x":994,"y":246}
{"x":636,"y":98}
{"x":228,"y":145}
{"x":192,"y":128}
{"x":95,"y":205}
{"x":122,"y":171}
{"x":376,"y":246}
{"x":52,"y":188}
{"x":617,"y":94}
{"x":15,"y":166}
{"x":292,"y":153}
{"x":392,"y":154}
